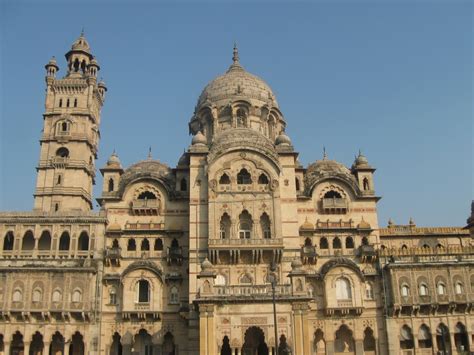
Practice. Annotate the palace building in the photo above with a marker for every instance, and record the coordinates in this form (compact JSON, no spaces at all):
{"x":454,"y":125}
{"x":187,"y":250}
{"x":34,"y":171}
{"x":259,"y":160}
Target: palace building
{"x":195,"y":258}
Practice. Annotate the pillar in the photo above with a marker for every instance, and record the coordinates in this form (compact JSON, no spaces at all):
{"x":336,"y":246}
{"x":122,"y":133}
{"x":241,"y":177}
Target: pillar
{"x":66,"y":348}
{"x":298,"y":328}
{"x":126,"y":349}
{"x":203,"y":330}
{"x":212,"y":343}
{"x":330,"y":347}
{"x":359,"y":347}
{"x":307,"y":336}
{"x":6,"y":347}
{"x":26,"y":347}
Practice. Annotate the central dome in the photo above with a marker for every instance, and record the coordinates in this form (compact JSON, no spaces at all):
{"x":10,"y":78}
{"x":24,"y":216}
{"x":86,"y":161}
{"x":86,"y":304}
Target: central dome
{"x":237,"y":84}
{"x":236,"y":99}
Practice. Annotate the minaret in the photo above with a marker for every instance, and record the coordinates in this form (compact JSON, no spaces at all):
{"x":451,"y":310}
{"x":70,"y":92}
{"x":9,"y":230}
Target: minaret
{"x":66,"y":169}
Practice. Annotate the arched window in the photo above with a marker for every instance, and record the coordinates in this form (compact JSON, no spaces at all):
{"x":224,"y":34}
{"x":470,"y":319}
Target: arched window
{"x":28,"y":242}
{"x":441,"y":288}
{"x":336,"y":243}
{"x":183,"y":185}
{"x":332,"y":194}
{"x":143,"y":291}
{"x":424,"y":337}
{"x":461,"y":341}
{"x":158,"y":244}
{"x":243,"y":177}
{"x":131,"y":245}
{"x":115,"y":244}
{"x":443,"y":339}
{"x":147,"y":195}
{"x":60,"y":102}
{"x":224,"y":180}
{"x":366,"y":184}
{"x":59,"y":180}
{"x":68,"y":102}
{"x":405,"y":290}
{"x":77,"y":296}
{"x":369,"y":291}
{"x":8,"y":241}
{"x":145,"y":245}
{"x":17,"y":295}
{"x":308,"y":243}
{"x":245,"y":225}
{"x":349,"y":243}
{"x":174,"y":295}
{"x":111,"y":185}
{"x":406,"y":338}
{"x":404,"y":247}
{"x":45,"y":241}
{"x":83,"y":242}
{"x":64,"y":241}
{"x":75,"y":102}
{"x":241,"y":118}
{"x":423,"y":290}
{"x":174,"y":244}
{"x":265,"y":225}
{"x":323,"y":243}
{"x":224,"y":227}
{"x":37,"y":295}
{"x":343,"y":289}
{"x":113,"y":296}
{"x":62,"y":152}
{"x":263,"y":179}
{"x":57,"y":296}
{"x":297,"y":184}
{"x":64,"y":126}
{"x":365,"y":241}
{"x":458,"y":288}
{"x":369,"y":340}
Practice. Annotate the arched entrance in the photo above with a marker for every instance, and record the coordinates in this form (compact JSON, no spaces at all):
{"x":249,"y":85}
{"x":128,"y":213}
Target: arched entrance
{"x":37,"y":345}
{"x":142,"y":344}
{"x":254,"y":342}
{"x":344,"y":342}
{"x":116,"y":347}
{"x":443,"y":340}
{"x":226,"y":350}
{"x":57,"y":344}
{"x":77,"y":344}
{"x":319,"y":345}
{"x":168,"y":344}
{"x":369,"y":341}
{"x":17,"y":347}
{"x":460,"y":338}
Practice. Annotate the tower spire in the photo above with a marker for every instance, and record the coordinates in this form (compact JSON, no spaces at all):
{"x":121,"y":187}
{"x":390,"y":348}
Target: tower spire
{"x":325,"y":155}
{"x":235,"y":54}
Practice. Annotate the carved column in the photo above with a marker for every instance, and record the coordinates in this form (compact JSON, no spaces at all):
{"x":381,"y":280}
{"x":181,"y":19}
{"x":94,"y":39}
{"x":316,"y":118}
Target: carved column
{"x":207,"y":341}
{"x":359,"y":347}
{"x":298,"y":327}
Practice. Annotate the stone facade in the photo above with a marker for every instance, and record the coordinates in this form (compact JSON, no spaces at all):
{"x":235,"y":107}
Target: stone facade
{"x":188,"y":260}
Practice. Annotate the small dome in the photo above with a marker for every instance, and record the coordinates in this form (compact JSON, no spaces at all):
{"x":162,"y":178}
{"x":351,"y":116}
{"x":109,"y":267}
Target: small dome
{"x":52,"y":62}
{"x":296,"y":264}
{"x":81,"y":44}
{"x":206,"y":265}
{"x":114,"y":227}
{"x":307,"y":225}
{"x":102,"y":84}
{"x":113,"y":160}
{"x":282,"y":139}
{"x":363,"y":224}
{"x":237,"y":84}
{"x":199,"y":138}
{"x":94,"y":62}
{"x":360,"y":161}
{"x":183,"y":160}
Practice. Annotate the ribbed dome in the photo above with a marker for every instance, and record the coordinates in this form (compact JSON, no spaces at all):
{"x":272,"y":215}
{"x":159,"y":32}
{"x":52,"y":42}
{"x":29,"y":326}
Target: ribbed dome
{"x":237,"y":84}
{"x":81,"y":44}
{"x":327,"y":167}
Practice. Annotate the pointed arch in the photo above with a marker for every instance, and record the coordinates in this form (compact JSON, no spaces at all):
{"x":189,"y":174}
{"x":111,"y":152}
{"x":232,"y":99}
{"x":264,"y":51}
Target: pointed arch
{"x":265,"y":226}
{"x":344,"y":341}
{"x":8,"y":241}
{"x":145,"y":246}
{"x":245,"y":225}
{"x":28,"y":241}
{"x":424,"y":337}
{"x":244,"y":177}
{"x":45,"y":241}
{"x":83,"y":242}
{"x":64,"y":241}
{"x":224,"y":226}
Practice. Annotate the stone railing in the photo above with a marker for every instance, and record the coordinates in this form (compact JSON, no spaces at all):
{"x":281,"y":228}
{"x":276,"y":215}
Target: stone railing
{"x":245,"y":242}
{"x":251,"y":290}
{"x":151,"y":203}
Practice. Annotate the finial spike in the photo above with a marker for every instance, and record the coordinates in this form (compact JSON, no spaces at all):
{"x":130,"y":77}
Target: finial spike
{"x":325,"y":155}
{"x":149,"y":152}
{"x":82,"y":31}
{"x":235,"y":56}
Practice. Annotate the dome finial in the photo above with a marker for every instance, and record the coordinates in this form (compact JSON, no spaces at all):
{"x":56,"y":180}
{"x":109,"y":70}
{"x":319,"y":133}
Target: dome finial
{"x":325,"y":155}
{"x":235,"y":56}
{"x":82,"y":31}
{"x":149,"y":153}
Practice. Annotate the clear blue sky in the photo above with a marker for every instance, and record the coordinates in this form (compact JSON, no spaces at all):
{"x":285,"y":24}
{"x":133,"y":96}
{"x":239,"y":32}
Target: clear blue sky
{"x":393,"y":79}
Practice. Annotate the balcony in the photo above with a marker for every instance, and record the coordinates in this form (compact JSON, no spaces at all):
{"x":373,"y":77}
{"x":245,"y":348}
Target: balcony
{"x":334,"y":205}
{"x":174,"y":254}
{"x":112,"y":256}
{"x":308,"y":254}
{"x":245,"y":243}
{"x":367,"y":253}
{"x":145,"y":207}
{"x":60,"y":162}
{"x":250,"y":292}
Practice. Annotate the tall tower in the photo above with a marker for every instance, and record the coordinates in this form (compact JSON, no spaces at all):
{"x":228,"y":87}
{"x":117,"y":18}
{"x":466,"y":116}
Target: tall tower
{"x":66,"y":169}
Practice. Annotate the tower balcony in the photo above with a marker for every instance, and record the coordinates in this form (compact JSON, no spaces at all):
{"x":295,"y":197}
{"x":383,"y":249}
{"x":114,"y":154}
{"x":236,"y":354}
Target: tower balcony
{"x":247,"y":251}
{"x":308,"y":254}
{"x":174,"y":254}
{"x":334,"y":205}
{"x":145,"y":207}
